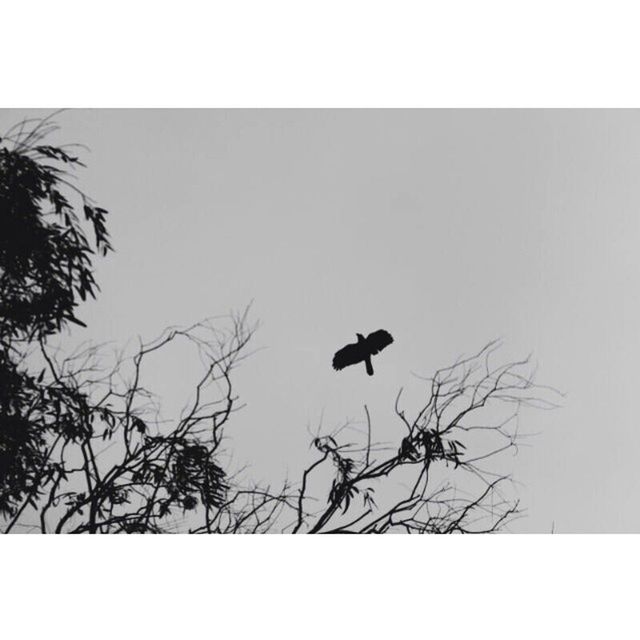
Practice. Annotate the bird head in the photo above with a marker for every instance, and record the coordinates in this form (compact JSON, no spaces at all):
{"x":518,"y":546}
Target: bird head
{"x":360,"y":337}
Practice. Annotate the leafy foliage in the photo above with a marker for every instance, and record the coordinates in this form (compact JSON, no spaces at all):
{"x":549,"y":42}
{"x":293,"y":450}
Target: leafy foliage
{"x":45,"y":268}
{"x":53,"y":430}
{"x":45,"y":256}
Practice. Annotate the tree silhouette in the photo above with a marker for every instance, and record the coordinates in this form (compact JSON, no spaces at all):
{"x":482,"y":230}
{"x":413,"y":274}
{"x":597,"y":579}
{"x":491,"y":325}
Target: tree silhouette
{"x":115,"y":465}
{"x":45,"y":267}
{"x":85,"y":446}
{"x":432,"y":479}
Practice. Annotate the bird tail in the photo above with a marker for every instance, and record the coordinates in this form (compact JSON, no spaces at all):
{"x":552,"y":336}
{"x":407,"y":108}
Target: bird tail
{"x":369,"y":366}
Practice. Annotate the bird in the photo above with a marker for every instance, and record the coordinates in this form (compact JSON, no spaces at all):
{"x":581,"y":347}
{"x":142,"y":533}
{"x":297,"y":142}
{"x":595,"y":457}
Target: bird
{"x":362,"y":350}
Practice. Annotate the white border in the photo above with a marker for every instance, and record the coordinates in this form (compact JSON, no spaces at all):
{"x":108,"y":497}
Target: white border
{"x":319,"y":587}
{"x":329,"y":53}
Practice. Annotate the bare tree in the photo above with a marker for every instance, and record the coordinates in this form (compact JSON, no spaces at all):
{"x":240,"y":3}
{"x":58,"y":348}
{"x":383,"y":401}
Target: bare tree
{"x":434,"y":478}
{"x":116,"y":464}
{"x":113,"y":464}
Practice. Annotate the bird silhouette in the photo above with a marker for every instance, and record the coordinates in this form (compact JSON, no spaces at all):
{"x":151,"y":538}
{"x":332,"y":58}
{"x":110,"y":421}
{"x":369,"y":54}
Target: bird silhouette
{"x":362,"y":350}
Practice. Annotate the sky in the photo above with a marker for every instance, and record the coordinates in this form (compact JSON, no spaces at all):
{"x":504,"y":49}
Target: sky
{"x":449,"y":228}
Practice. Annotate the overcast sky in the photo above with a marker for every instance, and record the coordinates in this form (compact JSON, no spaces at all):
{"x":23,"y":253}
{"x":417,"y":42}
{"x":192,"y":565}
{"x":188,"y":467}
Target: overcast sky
{"x":448,"y":228}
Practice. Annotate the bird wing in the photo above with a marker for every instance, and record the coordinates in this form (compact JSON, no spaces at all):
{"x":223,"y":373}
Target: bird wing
{"x":351,"y":354}
{"x":378,"y":340}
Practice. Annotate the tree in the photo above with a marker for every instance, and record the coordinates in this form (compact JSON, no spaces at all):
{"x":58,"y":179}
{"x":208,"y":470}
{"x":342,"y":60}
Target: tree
{"x":45,"y":256}
{"x":84,"y":446}
{"x":113,"y":465}
{"x":45,"y":267}
{"x":445,"y":485}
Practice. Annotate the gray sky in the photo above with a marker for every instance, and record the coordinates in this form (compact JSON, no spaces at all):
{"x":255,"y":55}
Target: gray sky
{"x":448,"y":228}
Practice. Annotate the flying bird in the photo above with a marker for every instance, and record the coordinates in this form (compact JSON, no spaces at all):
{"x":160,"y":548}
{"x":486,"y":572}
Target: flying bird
{"x":362,"y":350}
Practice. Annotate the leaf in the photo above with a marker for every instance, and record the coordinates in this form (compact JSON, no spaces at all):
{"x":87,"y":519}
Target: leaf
{"x":139,"y":425}
{"x":76,"y":321}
